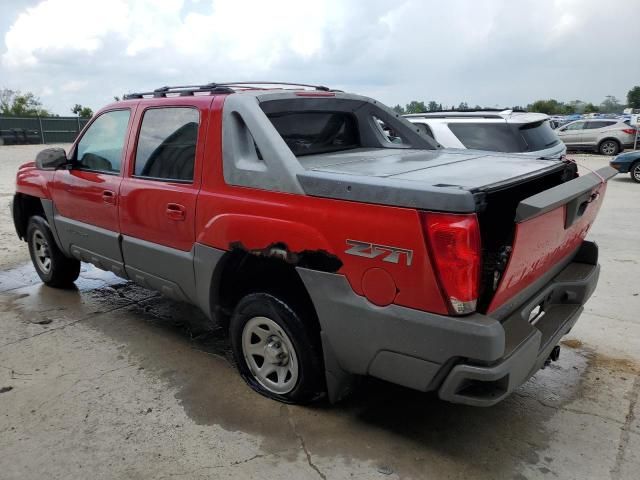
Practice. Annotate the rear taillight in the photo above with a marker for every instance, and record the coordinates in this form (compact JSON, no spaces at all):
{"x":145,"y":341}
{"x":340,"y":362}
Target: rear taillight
{"x":454,"y":245}
{"x":629,"y":131}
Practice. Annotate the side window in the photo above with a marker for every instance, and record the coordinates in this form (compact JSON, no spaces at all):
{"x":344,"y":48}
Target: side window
{"x":576,"y":126}
{"x":599,"y":124}
{"x":388,"y":132}
{"x":167,"y":144}
{"x":100,"y":148}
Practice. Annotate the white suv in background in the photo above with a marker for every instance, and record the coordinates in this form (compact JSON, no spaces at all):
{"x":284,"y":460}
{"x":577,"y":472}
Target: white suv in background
{"x":493,"y":130}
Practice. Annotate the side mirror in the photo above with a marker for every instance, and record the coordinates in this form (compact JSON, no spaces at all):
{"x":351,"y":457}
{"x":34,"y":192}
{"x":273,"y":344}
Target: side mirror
{"x":51,"y":159}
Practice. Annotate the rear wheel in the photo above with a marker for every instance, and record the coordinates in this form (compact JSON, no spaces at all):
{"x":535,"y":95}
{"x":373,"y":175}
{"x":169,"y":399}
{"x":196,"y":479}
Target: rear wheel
{"x":277,"y":351}
{"x":634,"y":171}
{"x":52,"y":266}
{"x":609,"y":147}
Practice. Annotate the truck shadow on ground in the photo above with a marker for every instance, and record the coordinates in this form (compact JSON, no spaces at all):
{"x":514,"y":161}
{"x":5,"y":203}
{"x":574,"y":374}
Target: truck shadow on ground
{"x":396,"y":428}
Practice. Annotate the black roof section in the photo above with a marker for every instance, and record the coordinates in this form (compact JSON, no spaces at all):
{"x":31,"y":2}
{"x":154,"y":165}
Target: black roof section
{"x":215,"y":87}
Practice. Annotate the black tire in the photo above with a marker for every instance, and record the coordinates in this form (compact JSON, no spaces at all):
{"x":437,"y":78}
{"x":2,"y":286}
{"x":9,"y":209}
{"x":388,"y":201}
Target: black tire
{"x":609,"y":147}
{"x":62,"y":271}
{"x":302,"y":334}
{"x":634,"y":172}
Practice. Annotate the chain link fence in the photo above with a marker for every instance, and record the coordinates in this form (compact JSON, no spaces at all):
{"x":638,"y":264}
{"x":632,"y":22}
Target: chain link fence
{"x":32,"y":130}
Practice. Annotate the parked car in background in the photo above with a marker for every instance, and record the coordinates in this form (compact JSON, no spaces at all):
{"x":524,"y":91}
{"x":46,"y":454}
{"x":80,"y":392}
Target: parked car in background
{"x":493,"y":130}
{"x":628,"y":163}
{"x":605,"y":136}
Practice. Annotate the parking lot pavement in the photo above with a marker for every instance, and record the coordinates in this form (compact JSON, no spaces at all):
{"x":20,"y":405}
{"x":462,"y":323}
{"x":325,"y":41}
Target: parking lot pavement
{"x":113,"y":381}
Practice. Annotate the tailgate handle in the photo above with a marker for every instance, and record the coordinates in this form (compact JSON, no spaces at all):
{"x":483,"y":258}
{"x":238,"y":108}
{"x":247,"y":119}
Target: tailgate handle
{"x":577,"y":207}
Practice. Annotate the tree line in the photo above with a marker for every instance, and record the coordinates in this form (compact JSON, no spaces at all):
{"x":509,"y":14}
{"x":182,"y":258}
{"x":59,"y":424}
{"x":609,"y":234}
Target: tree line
{"x":551,"y":107}
{"x":18,"y":104}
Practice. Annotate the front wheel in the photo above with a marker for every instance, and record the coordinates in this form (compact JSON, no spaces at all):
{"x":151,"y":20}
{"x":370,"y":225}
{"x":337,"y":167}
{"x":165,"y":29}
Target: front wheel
{"x":52,"y":266}
{"x":277,"y":352}
{"x":634,"y":171}
{"x":609,"y":147}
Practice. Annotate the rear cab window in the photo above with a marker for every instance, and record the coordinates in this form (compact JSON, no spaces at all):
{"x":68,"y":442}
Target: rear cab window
{"x":308,"y":133}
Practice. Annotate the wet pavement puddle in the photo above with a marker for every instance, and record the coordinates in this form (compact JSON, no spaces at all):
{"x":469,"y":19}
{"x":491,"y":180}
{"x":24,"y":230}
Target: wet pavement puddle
{"x":402,"y":431}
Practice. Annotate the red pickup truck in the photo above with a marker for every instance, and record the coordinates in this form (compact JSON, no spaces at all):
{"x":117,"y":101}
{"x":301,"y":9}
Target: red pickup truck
{"x":331,"y":237}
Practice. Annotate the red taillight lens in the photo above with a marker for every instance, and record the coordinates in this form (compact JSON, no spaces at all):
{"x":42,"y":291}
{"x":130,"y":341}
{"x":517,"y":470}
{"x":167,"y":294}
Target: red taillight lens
{"x":630,"y":131}
{"x":454,"y":243}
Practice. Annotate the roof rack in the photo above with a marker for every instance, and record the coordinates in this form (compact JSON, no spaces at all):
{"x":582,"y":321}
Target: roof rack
{"x":489,"y":111}
{"x":215,"y":87}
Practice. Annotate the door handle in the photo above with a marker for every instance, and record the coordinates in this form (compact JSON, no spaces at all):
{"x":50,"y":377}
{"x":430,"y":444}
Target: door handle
{"x":175,"y":211}
{"x":109,"y":197}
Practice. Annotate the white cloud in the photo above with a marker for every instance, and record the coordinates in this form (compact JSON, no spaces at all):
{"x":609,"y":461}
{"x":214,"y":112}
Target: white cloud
{"x":73,"y":86}
{"x":62,"y":25}
{"x":491,"y":52}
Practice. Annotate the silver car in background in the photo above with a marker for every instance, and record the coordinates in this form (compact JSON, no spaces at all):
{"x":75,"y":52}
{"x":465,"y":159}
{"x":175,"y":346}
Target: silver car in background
{"x":492,"y":130}
{"x":607,"y":136}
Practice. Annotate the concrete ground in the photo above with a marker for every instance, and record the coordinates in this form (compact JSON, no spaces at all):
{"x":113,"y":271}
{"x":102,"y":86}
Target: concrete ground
{"x":110,"y":381}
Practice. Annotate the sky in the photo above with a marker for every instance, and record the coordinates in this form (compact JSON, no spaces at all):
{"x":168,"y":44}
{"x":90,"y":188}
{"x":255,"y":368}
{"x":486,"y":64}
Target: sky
{"x":489,"y":52}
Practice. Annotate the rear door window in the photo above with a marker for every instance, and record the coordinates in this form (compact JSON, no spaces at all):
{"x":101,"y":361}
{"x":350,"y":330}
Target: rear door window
{"x":308,"y":133}
{"x":167,"y":144}
{"x":496,"y":137}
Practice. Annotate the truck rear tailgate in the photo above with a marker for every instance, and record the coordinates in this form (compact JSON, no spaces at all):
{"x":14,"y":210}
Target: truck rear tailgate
{"x":550,"y":227}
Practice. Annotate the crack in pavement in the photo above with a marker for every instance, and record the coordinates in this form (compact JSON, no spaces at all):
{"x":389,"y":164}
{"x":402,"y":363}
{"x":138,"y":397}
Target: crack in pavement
{"x":300,"y":438}
{"x":62,"y":327}
{"x":86,"y":317}
{"x":79,"y":380}
{"x":569,"y":409}
{"x":616,"y":471}
{"x":211,"y":467}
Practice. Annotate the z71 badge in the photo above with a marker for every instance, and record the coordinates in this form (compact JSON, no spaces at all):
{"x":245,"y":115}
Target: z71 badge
{"x":371,"y":250}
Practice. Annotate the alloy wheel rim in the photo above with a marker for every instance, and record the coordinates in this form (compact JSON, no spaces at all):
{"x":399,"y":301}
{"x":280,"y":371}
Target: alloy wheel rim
{"x":270,"y":355}
{"x":41,"y":251}
{"x":636,"y":172}
{"x":608,"y":148}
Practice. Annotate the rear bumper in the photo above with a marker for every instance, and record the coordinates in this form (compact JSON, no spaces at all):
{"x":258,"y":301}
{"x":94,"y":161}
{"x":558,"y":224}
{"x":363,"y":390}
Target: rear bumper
{"x":475,"y":360}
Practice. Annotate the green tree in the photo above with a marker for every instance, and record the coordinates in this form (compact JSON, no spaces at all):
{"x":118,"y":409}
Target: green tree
{"x":575,"y":106}
{"x":633,"y":97}
{"x":550,"y":107}
{"x":82,"y":112}
{"x":398,"y":109}
{"x":611,"y":105}
{"x":415,"y":107}
{"x":433,"y":106}
{"x":463,"y":106}
{"x":14,"y":102}
{"x":590,"y":108}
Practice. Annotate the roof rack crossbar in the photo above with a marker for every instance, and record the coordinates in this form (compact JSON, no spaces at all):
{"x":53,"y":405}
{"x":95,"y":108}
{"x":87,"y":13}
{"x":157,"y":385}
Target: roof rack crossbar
{"x":216,"y":87}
